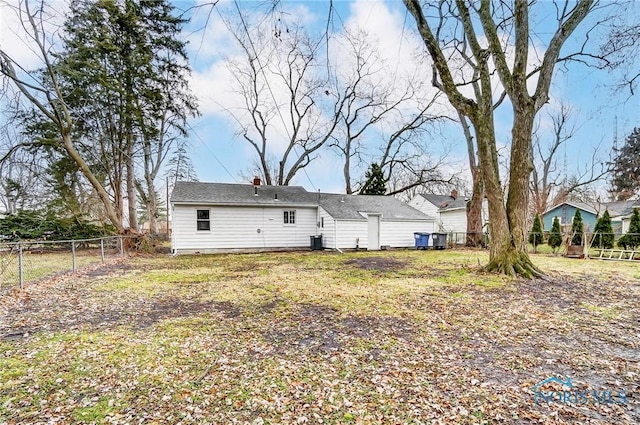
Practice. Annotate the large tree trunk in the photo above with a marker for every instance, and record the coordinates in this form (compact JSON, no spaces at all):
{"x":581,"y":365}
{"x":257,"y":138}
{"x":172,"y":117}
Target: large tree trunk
{"x":475,"y":236}
{"x":102,"y":194}
{"x":508,"y":254}
{"x":131,"y":187}
{"x":151,"y":201}
{"x":520,"y":172}
{"x":507,"y":247}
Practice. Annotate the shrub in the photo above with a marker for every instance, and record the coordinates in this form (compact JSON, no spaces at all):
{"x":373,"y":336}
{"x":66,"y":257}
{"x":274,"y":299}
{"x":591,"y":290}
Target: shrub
{"x":536,"y":237}
{"x":603,"y":232}
{"x":577,"y":229}
{"x":30,"y":225}
{"x":632,"y":238}
{"x":555,"y":236}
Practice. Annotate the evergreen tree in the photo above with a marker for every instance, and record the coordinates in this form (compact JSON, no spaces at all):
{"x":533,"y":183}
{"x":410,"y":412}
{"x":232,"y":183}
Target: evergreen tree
{"x":536,"y":237}
{"x":124,"y":67}
{"x":577,"y":229}
{"x":555,"y":236}
{"x":626,"y":168}
{"x":632,"y":238}
{"x":375,"y":183}
{"x":604,"y":232}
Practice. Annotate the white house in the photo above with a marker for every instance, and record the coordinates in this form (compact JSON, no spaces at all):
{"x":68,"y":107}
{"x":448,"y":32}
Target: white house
{"x":215,"y":217}
{"x":621,"y":212}
{"x":450,"y":212}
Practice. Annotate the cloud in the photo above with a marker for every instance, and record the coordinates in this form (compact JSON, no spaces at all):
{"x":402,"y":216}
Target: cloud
{"x":17,"y":36}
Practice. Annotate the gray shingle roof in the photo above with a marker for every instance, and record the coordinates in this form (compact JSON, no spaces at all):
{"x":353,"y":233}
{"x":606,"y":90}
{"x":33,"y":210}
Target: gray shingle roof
{"x":240,"y":194}
{"x":621,"y":208}
{"x":341,"y":207}
{"x":445,"y":202}
{"x":349,"y":207}
{"x":616,"y":208}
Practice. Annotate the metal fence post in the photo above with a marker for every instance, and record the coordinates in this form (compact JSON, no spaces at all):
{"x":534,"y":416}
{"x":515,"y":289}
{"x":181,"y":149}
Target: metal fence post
{"x":20,"y":276}
{"x":73,"y":256}
{"x":121,"y":245}
{"x":102,"y":249}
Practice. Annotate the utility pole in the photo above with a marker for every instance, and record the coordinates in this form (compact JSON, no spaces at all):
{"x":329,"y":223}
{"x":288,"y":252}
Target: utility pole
{"x":168,"y":206}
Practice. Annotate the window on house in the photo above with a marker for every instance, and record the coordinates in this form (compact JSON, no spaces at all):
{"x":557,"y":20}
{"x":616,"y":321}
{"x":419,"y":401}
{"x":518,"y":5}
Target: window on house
{"x":203,"y":221}
{"x":290,"y":217}
{"x":559,"y":219}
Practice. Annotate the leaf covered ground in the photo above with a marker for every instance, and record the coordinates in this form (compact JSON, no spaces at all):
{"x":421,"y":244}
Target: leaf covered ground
{"x":394,"y":337}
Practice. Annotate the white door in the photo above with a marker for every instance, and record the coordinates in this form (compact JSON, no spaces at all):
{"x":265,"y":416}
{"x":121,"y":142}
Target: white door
{"x":374,"y":232}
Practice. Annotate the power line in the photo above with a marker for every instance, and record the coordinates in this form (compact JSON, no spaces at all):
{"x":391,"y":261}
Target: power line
{"x":211,"y":152}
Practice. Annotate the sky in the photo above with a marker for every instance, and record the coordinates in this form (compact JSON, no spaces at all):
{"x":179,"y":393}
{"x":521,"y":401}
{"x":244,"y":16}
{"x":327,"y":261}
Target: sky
{"x":599,"y":111}
{"x":221,"y":155}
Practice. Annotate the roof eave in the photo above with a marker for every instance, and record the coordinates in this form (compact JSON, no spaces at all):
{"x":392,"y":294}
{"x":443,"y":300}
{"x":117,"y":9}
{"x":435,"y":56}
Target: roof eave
{"x":237,"y":204}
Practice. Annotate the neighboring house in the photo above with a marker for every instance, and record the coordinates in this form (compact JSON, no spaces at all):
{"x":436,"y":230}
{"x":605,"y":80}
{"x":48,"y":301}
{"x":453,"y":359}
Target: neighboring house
{"x":450,"y":211}
{"x":213,"y":217}
{"x":565,"y":212}
{"x":620,"y":212}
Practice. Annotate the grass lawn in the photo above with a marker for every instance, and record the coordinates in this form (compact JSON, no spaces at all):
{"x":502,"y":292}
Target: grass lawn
{"x":388,"y":337}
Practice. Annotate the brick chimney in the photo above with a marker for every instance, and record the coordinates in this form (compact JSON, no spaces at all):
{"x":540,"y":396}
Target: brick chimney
{"x":454,"y":194}
{"x":256,"y":181}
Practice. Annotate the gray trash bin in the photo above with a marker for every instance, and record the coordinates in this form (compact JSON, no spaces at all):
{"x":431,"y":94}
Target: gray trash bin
{"x":439,"y":240}
{"x":316,"y":243}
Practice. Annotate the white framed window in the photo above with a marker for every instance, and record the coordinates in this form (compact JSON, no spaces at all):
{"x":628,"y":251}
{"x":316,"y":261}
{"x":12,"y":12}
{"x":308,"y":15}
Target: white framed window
{"x":203,"y":220}
{"x":289,"y":216}
{"x":559,"y":219}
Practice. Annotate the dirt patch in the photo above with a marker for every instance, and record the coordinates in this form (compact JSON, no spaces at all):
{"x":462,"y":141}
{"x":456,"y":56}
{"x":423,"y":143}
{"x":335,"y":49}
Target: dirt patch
{"x":377,"y":263}
{"x":138,"y":314}
{"x":322,"y":329}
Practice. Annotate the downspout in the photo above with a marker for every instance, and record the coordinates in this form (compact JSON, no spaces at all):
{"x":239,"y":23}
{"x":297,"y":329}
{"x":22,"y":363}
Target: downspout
{"x":318,"y":214}
{"x":335,"y":236}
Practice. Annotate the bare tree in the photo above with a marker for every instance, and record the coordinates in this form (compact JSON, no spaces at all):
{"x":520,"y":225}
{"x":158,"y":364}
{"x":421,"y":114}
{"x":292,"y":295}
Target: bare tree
{"x":622,"y":49}
{"x":455,"y":42}
{"x":382,"y":111}
{"x":41,"y":89}
{"x":406,"y":152}
{"x":547,"y":177}
{"x":285,"y":99}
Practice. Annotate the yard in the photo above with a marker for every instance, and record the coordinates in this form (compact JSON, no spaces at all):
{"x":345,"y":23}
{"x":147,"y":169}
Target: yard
{"x":389,"y":337}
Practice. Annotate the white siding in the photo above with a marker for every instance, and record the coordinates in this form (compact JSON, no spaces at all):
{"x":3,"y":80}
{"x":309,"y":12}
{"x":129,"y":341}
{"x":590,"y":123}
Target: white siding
{"x":237,"y":228}
{"x":396,"y":234}
{"x":351,"y":233}
{"x":454,"y":220}
{"x":626,"y":222}
{"x":329,"y":230}
{"x":399,"y":234}
{"x":425,"y":207}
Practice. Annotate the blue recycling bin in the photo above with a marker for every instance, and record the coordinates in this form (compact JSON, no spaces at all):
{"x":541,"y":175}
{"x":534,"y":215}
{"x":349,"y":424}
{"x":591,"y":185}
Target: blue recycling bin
{"x":421,"y":239}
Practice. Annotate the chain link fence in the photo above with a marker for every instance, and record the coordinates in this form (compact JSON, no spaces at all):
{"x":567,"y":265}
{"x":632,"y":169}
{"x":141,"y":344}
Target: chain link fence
{"x":24,"y":263}
{"x":460,"y":239}
{"x":540,"y":242}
